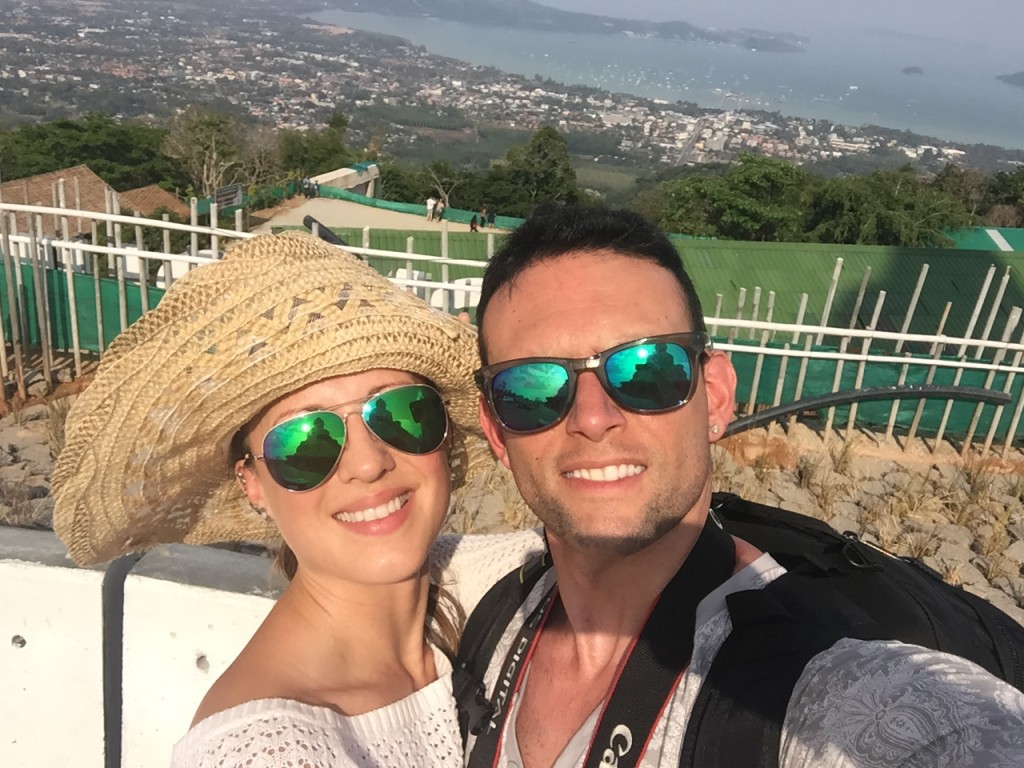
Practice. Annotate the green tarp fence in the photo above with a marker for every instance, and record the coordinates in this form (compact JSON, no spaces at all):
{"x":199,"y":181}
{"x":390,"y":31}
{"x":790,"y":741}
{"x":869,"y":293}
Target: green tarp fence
{"x":59,"y":302}
{"x":264,"y":197}
{"x":819,"y":376}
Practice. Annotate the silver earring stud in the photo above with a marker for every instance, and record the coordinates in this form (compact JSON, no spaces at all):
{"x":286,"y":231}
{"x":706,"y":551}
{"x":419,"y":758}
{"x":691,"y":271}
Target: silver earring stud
{"x":714,"y":429}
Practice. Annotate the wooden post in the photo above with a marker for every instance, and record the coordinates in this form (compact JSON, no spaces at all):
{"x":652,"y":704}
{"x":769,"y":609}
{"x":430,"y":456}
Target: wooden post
{"x":865,"y":348}
{"x":830,"y":297}
{"x":936,"y":353}
{"x":997,"y":359}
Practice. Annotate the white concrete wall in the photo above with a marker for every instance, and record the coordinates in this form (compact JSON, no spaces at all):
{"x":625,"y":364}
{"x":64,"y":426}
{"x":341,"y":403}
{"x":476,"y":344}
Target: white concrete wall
{"x":188,"y":611}
{"x":51,"y":645}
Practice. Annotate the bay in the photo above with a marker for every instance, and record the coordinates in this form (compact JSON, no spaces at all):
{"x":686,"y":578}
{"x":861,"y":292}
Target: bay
{"x":855,"y":78}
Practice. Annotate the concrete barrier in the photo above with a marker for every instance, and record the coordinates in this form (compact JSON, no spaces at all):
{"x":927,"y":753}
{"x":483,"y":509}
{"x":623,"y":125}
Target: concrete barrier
{"x":51,"y":654}
{"x":138,"y":643}
{"x":188,"y":611}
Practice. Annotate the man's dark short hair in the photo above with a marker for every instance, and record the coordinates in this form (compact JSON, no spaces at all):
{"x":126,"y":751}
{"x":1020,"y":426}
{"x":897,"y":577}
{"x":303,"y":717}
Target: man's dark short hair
{"x":554,"y":230}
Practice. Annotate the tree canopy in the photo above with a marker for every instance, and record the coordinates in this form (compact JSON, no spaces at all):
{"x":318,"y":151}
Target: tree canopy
{"x":754,"y":198}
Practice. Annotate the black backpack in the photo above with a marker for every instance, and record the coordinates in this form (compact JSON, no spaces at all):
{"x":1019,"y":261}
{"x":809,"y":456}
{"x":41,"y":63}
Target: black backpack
{"x":836,"y":586}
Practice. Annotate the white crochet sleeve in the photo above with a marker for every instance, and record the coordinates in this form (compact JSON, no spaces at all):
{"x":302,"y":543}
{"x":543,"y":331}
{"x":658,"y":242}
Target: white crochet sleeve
{"x":469,"y":564}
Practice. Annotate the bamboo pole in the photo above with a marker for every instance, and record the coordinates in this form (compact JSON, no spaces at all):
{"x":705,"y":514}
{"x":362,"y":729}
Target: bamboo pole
{"x":860,"y":297}
{"x":862,"y":365}
{"x":833,"y":285}
{"x":913,"y":304}
{"x":997,"y":359}
{"x":994,"y":310}
{"x":936,"y":352}
{"x":1007,"y":388}
{"x":97,"y":294}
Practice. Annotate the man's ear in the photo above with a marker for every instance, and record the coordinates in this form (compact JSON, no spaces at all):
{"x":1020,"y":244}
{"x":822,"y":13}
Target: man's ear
{"x":492,"y":431}
{"x":720,"y":386}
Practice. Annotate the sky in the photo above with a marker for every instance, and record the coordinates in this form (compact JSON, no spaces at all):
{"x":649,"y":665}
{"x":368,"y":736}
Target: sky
{"x":983,"y":21}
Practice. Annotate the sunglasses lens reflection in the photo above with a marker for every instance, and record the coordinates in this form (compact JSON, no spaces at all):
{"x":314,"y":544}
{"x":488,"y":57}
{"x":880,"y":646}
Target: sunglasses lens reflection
{"x":531,"y":396}
{"x":647,"y":378}
{"x":300,"y":453}
{"x":650,"y":377}
{"x":412,"y":419}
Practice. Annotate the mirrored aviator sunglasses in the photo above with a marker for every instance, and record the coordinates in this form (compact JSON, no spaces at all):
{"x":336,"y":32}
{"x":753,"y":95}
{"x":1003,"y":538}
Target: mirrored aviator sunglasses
{"x":301,"y":452}
{"x":649,"y":375}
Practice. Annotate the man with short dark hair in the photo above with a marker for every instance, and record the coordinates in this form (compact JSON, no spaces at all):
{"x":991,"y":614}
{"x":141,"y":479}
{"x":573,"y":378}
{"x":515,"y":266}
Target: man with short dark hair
{"x":602,"y":393}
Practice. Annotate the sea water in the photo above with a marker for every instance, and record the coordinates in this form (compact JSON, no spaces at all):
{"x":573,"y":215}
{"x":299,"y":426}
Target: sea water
{"x":855,"y":79}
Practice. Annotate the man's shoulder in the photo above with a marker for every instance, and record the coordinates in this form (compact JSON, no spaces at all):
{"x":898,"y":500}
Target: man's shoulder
{"x":470,"y":564}
{"x":869,"y":703}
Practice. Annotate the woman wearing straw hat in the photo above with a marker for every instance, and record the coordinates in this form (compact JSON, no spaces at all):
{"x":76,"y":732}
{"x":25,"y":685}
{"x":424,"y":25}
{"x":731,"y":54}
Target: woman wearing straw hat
{"x":290,"y":392}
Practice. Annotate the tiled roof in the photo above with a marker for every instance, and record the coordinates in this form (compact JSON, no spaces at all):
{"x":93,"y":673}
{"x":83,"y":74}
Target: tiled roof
{"x":145,"y":200}
{"x":83,"y":190}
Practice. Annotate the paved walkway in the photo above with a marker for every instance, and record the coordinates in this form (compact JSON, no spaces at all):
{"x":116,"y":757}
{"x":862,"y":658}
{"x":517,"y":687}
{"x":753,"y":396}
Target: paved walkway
{"x":342,"y":213}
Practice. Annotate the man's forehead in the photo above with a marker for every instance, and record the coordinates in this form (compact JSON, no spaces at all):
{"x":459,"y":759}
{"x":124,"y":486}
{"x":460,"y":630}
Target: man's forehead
{"x":571,"y":295}
{"x":580,"y":264}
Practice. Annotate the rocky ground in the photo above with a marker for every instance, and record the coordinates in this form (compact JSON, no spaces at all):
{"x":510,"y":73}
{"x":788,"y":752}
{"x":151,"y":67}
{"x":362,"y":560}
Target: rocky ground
{"x":964,"y":518}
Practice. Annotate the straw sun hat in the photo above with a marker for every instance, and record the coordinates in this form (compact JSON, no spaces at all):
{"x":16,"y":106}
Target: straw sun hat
{"x":146,"y":454}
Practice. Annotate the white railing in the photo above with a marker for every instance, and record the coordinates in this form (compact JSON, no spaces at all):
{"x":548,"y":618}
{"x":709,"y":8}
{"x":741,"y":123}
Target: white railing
{"x":793,"y":345}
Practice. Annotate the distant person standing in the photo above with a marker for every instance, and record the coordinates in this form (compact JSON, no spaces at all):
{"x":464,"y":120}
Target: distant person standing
{"x":473,"y":225}
{"x":483,"y":216}
{"x":490,"y":217}
{"x":439,"y":209}
{"x":431,"y":204}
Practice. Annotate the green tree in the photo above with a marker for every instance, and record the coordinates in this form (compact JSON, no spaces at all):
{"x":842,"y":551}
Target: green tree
{"x":967,"y":185}
{"x":1006,"y":199}
{"x":759,"y":198}
{"x":885,"y":208}
{"x":125,"y":154}
{"x":208,"y":144}
{"x":539,"y":172}
{"x":315,"y":152}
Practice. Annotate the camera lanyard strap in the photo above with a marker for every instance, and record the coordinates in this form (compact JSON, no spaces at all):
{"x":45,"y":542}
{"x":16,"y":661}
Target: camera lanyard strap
{"x":646,"y":678}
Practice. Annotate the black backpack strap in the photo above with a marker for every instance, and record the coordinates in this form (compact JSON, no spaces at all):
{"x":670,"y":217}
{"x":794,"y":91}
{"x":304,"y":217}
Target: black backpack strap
{"x":738,"y":714}
{"x":483,"y":630}
{"x":662,"y":651}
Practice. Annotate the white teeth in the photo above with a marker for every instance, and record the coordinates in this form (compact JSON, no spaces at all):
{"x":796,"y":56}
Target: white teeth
{"x":607,"y":474}
{"x":373,"y":513}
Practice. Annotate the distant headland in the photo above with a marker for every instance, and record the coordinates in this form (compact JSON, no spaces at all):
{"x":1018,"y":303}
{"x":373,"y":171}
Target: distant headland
{"x":525,"y":14}
{"x":1017,"y":78}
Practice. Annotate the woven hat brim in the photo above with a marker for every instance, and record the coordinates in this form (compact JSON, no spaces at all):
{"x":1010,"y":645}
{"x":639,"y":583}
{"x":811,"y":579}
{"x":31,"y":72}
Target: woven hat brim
{"x":146,"y":456}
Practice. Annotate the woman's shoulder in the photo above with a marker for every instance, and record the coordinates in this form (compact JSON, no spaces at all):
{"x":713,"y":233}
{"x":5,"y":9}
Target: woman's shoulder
{"x":470,"y":564}
{"x":260,"y":729}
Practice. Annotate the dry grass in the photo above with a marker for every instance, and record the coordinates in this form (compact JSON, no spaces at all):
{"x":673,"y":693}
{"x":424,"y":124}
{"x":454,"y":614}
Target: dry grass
{"x":918,"y":544}
{"x":843,"y":456}
{"x":977,"y":480}
{"x":15,"y":507}
{"x":762,"y":466}
{"x":807,"y":471}
{"x":1015,"y":487}
{"x":828,"y":489}
{"x":952,"y":574}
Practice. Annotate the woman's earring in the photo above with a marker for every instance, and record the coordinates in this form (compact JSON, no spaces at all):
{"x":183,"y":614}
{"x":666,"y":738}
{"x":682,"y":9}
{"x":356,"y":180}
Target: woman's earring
{"x":258,"y":510}
{"x":714,"y":429}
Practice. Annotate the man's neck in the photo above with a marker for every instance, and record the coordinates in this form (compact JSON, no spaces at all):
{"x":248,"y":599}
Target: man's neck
{"x":606,"y":597}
